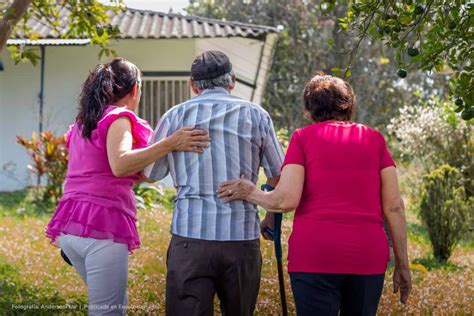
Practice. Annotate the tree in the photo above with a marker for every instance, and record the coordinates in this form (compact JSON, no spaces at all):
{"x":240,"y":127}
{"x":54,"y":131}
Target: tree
{"x":310,"y":40}
{"x":431,"y":134}
{"x":426,"y":34}
{"x":86,"y":19}
{"x":444,"y":209}
{"x":293,"y":61}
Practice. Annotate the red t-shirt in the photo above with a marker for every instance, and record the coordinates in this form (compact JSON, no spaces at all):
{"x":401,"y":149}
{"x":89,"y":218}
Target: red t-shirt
{"x":338,"y":225}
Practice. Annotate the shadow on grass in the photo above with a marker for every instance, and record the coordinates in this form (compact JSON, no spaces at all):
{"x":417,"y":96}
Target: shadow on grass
{"x":468,"y":241}
{"x":431,"y":263}
{"x":418,"y":233}
{"x":28,"y":202}
{"x":25,"y":203}
{"x":11,"y":201}
{"x":18,"y":298}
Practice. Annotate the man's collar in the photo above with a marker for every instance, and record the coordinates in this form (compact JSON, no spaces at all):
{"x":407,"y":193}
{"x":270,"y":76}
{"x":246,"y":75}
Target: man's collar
{"x":215,"y":90}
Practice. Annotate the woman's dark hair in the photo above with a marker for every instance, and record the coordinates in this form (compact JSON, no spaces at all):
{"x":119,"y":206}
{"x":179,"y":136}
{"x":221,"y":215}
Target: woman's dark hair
{"x":106,"y":84}
{"x":329,"y":98}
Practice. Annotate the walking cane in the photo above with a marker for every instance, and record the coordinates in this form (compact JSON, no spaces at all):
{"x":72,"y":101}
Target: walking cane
{"x":276,"y":236}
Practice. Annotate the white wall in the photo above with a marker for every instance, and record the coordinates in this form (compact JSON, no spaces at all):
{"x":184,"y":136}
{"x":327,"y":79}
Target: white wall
{"x":246,"y":56}
{"x":265,"y":65}
{"x":19,"y":87}
{"x":66,"y":67}
{"x":243,"y":54}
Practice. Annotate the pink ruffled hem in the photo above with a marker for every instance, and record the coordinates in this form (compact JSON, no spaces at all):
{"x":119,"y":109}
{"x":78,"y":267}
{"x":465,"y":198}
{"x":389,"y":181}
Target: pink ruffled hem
{"x":86,"y":219}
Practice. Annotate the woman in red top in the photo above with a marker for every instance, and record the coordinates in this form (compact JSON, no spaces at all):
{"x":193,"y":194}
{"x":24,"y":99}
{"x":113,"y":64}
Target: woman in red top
{"x":342,"y":180}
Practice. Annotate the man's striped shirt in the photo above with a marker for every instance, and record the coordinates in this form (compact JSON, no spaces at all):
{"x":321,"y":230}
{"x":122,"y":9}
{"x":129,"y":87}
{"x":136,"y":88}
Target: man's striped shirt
{"x":243,"y":140}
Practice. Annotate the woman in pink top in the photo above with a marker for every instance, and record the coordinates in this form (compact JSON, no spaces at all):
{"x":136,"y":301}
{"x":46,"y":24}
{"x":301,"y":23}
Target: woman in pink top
{"x":94,"y":223}
{"x":341,"y":179}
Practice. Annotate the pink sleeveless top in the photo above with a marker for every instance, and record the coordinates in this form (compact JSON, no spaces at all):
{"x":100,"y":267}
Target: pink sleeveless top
{"x":95,"y":203}
{"x":338,"y":224}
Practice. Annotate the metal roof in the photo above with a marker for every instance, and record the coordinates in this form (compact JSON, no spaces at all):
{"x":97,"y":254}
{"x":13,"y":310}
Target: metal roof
{"x":48,"y":42}
{"x":134,"y":23}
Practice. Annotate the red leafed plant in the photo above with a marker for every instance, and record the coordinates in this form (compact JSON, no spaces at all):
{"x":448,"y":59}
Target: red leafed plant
{"x":50,"y":157}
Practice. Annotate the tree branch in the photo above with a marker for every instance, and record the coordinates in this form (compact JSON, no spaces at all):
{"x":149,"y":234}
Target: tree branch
{"x":362,"y":36}
{"x":48,"y":22}
{"x":13,"y":14}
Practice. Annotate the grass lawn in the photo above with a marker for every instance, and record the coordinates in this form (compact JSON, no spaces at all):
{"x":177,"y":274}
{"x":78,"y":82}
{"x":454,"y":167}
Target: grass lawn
{"x":33,"y":274}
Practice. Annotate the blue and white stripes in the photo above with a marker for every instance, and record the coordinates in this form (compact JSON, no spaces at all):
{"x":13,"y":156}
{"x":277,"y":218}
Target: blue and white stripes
{"x":243,"y":140}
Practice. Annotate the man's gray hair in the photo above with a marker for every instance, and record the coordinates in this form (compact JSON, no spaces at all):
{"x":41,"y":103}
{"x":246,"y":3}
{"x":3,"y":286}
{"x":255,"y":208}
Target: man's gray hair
{"x":223,"y":81}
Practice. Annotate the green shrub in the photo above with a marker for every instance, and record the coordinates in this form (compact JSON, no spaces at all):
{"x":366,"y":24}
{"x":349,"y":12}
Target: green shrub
{"x":432,"y":135}
{"x":26,"y":203}
{"x":283,"y":137}
{"x":152,"y":195}
{"x":444,"y":209}
{"x":50,"y":157}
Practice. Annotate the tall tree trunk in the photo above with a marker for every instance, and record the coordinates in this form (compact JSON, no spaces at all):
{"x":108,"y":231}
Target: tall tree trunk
{"x":13,"y":14}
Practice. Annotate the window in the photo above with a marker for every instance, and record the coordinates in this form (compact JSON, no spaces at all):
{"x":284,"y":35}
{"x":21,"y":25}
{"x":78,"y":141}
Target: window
{"x":160,"y":94}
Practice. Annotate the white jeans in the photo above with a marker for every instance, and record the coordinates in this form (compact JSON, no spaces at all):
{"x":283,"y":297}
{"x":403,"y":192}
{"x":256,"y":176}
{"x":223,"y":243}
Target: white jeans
{"x":103,"y":265}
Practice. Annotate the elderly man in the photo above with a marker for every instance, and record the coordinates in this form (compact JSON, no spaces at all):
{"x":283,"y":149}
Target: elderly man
{"x":215,"y":246}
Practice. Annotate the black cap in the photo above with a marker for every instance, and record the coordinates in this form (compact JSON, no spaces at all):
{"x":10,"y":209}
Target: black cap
{"x":210,"y":65}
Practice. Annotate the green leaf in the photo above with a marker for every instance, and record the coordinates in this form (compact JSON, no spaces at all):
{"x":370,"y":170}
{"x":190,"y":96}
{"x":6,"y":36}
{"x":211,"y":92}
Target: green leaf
{"x":87,"y":19}
{"x":405,"y":20}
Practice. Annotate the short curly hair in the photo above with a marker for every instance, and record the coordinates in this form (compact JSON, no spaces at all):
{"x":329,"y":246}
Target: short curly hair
{"x":329,"y":98}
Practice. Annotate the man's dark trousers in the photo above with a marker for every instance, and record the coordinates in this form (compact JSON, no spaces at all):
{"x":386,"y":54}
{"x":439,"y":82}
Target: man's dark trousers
{"x":198,"y":269}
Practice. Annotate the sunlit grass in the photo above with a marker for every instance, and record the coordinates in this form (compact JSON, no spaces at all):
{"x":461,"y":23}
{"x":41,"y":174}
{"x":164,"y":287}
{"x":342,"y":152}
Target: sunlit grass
{"x":10,"y":202}
{"x":31,"y":271}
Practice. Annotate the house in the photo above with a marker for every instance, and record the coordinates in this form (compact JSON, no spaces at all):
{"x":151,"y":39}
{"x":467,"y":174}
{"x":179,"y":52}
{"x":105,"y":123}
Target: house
{"x":162,"y":45}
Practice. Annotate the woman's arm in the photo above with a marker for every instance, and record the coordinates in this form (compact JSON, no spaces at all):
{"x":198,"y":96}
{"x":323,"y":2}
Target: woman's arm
{"x":394,"y":211}
{"x":285,"y":197}
{"x":125,"y":161}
